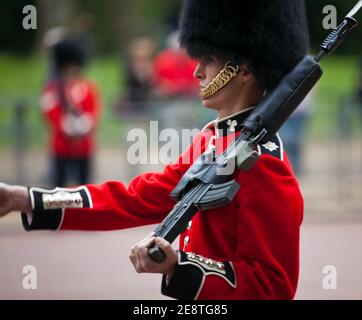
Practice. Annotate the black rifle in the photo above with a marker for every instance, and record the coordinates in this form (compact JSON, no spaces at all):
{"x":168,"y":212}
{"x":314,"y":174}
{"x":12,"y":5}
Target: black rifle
{"x":209,"y":183}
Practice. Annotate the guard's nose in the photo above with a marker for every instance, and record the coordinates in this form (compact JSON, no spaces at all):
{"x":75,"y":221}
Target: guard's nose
{"x":198,"y":74}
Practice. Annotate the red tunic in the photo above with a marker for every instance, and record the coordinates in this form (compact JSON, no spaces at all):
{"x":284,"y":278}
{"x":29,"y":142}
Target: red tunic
{"x":248,"y":249}
{"x":82,"y":95}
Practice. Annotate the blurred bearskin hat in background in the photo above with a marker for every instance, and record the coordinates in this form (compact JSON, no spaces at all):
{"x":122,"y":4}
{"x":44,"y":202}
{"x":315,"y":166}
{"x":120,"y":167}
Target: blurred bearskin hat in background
{"x":67,"y":52}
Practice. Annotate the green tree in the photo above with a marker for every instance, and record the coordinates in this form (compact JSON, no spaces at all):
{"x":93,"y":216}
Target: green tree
{"x":318,"y":33}
{"x":13,"y":37}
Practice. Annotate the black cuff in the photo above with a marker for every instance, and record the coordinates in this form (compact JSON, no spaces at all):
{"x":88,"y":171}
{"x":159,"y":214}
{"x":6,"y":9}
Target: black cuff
{"x":44,"y":220}
{"x":48,"y":206}
{"x":185,"y":281}
{"x":189,"y":275}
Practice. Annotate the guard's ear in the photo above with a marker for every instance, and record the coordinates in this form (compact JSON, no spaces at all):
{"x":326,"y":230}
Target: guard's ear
{"x":245,"y":74}
{"x":247,"y":77}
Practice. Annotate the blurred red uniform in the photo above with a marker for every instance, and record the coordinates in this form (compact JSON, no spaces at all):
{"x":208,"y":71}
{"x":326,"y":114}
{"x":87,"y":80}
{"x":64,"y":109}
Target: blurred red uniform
{"x":83,"y":105}
{"x":174,"y":73}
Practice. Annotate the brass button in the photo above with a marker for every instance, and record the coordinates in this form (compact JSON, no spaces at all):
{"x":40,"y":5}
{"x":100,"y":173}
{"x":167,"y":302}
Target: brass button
{"x":186,"y":240}
{"x":189,"y":225}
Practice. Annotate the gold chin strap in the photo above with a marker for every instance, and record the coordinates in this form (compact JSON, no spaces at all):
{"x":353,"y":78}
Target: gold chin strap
{"x":220,"y":81}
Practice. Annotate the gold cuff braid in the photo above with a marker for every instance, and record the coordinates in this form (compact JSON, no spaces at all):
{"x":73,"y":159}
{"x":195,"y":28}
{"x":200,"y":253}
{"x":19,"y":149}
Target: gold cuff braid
{"x":220,"y":81}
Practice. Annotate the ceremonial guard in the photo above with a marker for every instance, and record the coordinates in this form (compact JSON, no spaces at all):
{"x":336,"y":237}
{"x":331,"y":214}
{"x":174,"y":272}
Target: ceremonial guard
{"x":71,"y":107}
{"x":248,"y":249}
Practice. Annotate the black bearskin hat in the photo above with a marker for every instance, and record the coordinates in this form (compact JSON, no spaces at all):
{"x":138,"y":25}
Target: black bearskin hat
{"x":269,"y":36}
{"x":68,"y":52}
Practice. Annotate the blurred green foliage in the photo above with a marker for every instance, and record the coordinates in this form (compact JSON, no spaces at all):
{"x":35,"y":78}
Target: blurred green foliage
{"x":13,"y":37}
{"x":115,"y":22}
{"x":338,"y":83}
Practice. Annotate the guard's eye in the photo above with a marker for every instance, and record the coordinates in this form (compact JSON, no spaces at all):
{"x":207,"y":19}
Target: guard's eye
{"x":208,"y":59}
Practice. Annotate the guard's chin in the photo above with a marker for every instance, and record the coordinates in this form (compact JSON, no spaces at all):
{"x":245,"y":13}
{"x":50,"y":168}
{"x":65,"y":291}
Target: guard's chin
{"x":208,"y":103}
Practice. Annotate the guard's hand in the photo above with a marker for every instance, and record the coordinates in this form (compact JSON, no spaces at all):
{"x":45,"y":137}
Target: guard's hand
{"x":5,"y":199}
{"x":13,"y":198}
{"x":144,"y":264}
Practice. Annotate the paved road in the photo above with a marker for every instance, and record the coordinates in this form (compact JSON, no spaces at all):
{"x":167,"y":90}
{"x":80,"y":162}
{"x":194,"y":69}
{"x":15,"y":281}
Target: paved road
{"x":80,"y":265}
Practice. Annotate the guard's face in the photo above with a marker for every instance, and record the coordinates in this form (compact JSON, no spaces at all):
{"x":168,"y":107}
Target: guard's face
{"x":206,"y":71}
{"x":241,"y":92}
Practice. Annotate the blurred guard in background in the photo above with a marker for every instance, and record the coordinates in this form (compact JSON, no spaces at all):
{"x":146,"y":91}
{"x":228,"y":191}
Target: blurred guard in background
{"x":138,"y":76}
{"x":71,"y":107}
{"x":175,"y":84}
{"x":174,"y":71}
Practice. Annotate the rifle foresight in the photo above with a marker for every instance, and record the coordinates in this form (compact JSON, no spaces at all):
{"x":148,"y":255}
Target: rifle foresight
{"x":336,"y":37}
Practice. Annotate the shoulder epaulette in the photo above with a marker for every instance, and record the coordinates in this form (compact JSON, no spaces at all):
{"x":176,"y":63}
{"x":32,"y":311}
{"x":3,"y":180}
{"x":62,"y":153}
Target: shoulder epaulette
{"x":274,"y":147}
